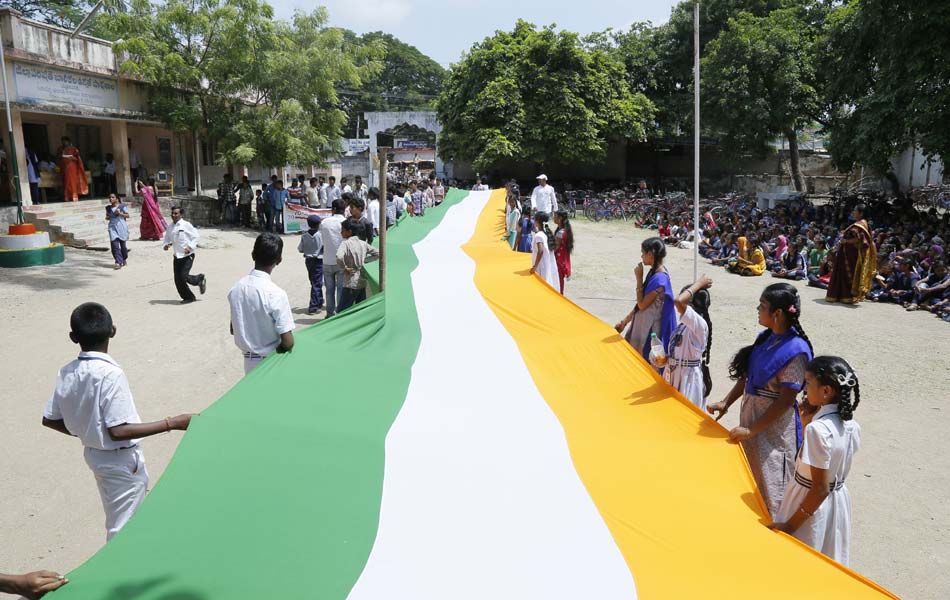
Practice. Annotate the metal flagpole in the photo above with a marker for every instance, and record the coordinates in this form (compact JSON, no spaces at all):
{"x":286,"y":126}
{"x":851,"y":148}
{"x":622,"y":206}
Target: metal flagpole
{"x":12,"y":150}
{"x":696,"y":140}
{"x":383,"y":211}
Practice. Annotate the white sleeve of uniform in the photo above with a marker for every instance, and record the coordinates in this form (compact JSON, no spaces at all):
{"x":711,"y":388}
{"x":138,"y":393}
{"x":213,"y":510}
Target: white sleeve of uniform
{"x":816,"y":449}
{"x":534,"y":199}
{"x":52,"y":411}
{"x":695,"y":323}
{"x":283,"y":318}
{"x":116,"y":398}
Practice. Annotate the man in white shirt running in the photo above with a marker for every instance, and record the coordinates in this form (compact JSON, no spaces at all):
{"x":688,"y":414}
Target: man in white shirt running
{"x":543,"y":197}
{"x":183,"y":237}
{"x":261,"y":320}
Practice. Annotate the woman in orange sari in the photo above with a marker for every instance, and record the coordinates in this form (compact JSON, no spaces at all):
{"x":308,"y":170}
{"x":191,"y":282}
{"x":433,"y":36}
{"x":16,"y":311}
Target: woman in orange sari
{"x":73,"y":172}
{"x":854,"y":263}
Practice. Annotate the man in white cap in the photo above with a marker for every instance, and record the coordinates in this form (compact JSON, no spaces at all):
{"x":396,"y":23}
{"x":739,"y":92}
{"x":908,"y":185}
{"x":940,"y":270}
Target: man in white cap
{"x":543,"y":197}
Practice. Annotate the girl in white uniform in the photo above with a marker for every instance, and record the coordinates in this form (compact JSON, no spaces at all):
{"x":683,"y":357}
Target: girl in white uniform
{"x":542,"y":258}
{"x":816,"y":508}
{"x":688,"y":366}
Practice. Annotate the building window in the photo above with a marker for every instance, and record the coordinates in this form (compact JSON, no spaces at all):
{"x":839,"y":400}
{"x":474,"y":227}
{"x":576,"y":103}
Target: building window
{"x":86,"y":138}
{"x":208,"y":152}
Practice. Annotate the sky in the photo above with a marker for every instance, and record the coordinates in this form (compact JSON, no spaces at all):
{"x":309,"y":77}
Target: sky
{"x":444,"y":29}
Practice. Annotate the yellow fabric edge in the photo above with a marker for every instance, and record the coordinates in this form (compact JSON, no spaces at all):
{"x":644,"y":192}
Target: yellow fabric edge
{"x":645,"y":454}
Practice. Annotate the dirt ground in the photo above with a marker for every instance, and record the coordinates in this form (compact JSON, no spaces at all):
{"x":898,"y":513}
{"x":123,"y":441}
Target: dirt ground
{"x":181,"y":359}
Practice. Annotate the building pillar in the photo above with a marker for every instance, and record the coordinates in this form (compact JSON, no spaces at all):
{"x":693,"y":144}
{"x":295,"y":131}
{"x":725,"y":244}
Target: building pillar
{"x":19,"y":146}
{"x":120,"y":152}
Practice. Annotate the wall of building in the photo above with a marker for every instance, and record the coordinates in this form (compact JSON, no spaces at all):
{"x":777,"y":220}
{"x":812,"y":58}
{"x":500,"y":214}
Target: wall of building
{"x":351,"y":166}
{"x":913,"y":169}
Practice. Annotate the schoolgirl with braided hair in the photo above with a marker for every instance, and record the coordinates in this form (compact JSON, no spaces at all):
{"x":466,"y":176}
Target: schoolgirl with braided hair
{"x":654,"y":311}
{"x":816,"y":508}
{"x":687,"y":369}
{"x":769,"y":374}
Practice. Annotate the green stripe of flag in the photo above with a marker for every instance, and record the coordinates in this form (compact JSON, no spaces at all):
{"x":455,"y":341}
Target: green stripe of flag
{"x":275,"y":490}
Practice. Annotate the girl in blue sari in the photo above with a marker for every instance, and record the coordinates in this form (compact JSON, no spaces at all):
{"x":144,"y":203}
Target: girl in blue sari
{"x":769,"y":375}
{"x":654,"y":311}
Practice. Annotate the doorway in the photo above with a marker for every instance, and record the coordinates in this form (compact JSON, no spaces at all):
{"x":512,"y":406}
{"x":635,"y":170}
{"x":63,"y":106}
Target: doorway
{"x":36,"y":138}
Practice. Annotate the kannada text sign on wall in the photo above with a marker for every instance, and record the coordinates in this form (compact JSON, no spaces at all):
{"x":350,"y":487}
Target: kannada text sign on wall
{"x":35,"y":83}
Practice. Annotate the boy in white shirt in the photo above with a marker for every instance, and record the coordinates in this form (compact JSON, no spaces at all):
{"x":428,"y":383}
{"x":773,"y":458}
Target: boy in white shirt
{"x":93,"y":402}
{"x":261,"y":321}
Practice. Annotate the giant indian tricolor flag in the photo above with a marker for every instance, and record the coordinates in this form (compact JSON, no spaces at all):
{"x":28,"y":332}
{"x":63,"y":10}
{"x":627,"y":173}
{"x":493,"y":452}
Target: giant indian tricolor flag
{"x":467,"y":434}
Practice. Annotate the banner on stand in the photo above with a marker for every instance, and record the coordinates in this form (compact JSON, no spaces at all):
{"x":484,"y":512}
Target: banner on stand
{"x":295,"y":216}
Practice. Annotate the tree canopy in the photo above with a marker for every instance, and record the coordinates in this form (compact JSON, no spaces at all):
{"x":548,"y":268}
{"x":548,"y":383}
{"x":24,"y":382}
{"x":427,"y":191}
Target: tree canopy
{"x":226,"y":69}
{"x":538,"y":95}
{"x":887,"y":69}
{"x":759,"y":82}
{"x":406,"y":80}
{"x":65,"y":13}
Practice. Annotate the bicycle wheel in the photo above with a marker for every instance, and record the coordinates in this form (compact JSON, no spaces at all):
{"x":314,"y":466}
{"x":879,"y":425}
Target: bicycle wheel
{"x":594,"y":211}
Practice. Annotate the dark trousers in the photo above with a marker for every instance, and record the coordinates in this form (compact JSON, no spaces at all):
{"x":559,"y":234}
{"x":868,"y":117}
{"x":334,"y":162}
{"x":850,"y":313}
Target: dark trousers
{"x":230,"y":213}
{"x":271,"y":215}
{"x":315,"y":272}
{"x":184,"y":278}
{"x":349,"y":297}
{"x":119,"y":252}
{"x":35,"y":193}
{"x":245,"y":210}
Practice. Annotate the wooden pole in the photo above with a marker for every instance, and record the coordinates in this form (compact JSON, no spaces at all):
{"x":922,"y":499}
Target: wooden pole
{"x":383,"y":211}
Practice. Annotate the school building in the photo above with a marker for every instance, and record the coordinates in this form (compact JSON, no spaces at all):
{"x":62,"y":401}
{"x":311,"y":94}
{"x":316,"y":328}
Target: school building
{"x":61,"y":86}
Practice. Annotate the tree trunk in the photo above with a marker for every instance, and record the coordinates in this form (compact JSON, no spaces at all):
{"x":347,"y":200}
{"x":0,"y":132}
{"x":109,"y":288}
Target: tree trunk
{"x":197,"y":164}
{"x":797,"y":178}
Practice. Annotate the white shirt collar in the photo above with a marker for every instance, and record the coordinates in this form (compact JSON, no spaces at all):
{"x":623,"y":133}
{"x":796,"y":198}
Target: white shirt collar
{"x":261,"y":274}
{"x":826,"y":410}
{"x":97,"y":356}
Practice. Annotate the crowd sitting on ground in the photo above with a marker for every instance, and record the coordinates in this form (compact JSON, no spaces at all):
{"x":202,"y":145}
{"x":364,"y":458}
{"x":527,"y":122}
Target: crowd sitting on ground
{"x":896,"y":255}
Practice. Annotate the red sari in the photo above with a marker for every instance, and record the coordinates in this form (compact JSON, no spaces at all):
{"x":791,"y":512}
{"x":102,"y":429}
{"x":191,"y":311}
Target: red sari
{"x":74,"y":174}
{"x":153,"y":224}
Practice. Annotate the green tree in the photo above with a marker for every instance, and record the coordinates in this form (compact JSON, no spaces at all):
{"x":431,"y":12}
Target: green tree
{"x":887,"y":80}
{"x":538,"y":95}
{"x":406,"y":80}
{"x":227,"y":70}
{"x":662,"y":57}
{"x":68,"y":13}
{"x":759,"y":82}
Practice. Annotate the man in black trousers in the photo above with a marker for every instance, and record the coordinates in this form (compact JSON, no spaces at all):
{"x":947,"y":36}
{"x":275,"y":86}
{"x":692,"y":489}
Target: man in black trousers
{"x":183,"y":237}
